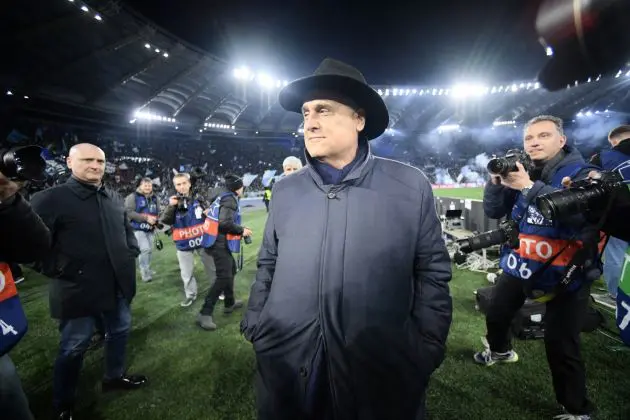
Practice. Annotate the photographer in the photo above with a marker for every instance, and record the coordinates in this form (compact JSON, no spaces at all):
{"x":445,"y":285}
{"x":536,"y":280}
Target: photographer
{"x":540,"y":262}
{"x":143,"y":211}
{"x":614,"y":254}
{"x":25,"y":239}
{"x":222,"y":236}
{"x":185,"y":213}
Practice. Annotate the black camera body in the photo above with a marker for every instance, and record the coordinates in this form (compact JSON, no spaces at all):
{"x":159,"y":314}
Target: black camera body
{"x":247,"y":239}
{"x":23,"y":163}
{"x":506,"y":164}
{"x":507,"y":234}
{"x":583,"y":196}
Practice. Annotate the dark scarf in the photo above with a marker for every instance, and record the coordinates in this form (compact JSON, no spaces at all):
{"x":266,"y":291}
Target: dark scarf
{"x":334,"y":176}
{"x":542,"y":170}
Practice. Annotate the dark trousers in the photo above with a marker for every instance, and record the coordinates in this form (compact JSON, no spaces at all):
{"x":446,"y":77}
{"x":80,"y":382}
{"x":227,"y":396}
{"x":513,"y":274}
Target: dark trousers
{"x":225,"y":267}
{"x":13,"y":401}
{"x":76,"y":335}
{"x":564,"y":318}
{"x":16,"y":270}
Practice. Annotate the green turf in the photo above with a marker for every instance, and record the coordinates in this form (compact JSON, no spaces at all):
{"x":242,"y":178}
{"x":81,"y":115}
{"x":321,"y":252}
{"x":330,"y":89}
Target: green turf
{"x":196,"y":374}
{"x":475,"y":193}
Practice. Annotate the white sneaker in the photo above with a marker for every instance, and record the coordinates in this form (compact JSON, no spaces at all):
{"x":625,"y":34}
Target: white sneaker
{"x":489,"y":358}
{"x":187,"y":302}
{"x":572,"y":417}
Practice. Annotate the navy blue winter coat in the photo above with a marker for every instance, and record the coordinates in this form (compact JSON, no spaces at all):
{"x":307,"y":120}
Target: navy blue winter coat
{"x":351,"y":297}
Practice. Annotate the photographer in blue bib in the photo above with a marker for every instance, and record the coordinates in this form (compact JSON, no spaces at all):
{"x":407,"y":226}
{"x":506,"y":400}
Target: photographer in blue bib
{"x":535,"y":265}
{"x":143,"y":211}
{"x":185,"y":213}
{"x":222,"y":233}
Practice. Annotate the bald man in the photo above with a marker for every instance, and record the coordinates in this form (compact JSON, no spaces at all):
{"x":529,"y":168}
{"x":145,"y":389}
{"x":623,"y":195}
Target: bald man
{"x":92,"y":267}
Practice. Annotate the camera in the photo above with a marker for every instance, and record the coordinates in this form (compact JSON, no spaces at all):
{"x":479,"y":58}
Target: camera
{"x":23,"y":164}
{"x":506,"y":164}
{"x":507,"y":234}
{"x":247,"y":239}
{"x":182,"y":203}
{"x":583,"y":196}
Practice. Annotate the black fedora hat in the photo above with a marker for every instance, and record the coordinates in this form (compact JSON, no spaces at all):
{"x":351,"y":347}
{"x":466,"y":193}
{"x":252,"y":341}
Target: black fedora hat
{"x":338,"y":77}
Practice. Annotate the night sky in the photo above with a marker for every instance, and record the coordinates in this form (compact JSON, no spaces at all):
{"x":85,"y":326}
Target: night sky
{"x":392,"y":42}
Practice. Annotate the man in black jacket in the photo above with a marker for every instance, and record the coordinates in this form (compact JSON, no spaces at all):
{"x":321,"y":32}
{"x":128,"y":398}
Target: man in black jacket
{"x":229,"y":232}
{"x":25,"y":238}
{"x":92,"y":266}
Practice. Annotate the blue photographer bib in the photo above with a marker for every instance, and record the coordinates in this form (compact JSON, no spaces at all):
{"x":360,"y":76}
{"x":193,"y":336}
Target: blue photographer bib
{"x":188,"y":227}
{"x":145,"y":206}
{"x":211,"y":226}
{"x":13,"y":324}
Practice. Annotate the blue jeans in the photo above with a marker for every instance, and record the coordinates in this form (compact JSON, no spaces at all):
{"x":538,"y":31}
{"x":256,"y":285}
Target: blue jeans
{"x":13,"y":401}
{"x":614,"y":257}
{"x":75,"y":339}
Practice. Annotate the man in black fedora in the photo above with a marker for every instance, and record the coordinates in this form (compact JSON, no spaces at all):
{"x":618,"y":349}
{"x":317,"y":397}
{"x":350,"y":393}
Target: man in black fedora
{"x":350,"y":309}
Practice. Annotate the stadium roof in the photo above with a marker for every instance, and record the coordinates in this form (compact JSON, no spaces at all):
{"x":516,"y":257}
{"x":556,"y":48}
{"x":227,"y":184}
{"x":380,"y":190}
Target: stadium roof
{"x":104,"y":57}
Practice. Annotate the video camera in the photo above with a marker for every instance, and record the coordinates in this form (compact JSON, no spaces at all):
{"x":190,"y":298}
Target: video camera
{"x":23,"y":163}
{"x":507,"y":234}
{"x":506,"y":164}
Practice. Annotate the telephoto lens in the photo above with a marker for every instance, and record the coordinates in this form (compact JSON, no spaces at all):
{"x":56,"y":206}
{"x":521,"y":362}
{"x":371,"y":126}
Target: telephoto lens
{"x":23,"y":164}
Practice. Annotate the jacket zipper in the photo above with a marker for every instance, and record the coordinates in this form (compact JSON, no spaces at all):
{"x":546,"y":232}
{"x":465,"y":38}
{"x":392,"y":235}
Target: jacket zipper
{"x":319,"y":305}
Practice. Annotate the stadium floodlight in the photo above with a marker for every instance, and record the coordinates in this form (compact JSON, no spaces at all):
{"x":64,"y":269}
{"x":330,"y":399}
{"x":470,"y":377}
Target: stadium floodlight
{"x":549,"y":51}
{"x":448,"y":127}
{"x":243,"y":73}
{"x":147,"y":46}
{"x":503,"y":123}
{"x":165,"y":55}
{"x":265,"y":81}
{"x":157,"y":50}
{"x":98,"y":17}
{"x":25,"y":96}
{"x":85,"y":8}
{"x":9,"y":93}
{"x":466,"y":90}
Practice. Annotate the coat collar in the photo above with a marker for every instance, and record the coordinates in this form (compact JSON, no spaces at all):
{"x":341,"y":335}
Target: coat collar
{"x":85,"y":191}
{"x":356,"y":174}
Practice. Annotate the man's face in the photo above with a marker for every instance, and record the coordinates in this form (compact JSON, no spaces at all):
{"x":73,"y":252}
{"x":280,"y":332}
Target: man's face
{"x":182,"y":185}
{"x":240,"y":191}
{"x":289,"y":169}
{"x":146,"y":188}
{"x":543,"y":141}
{"x":330,"y":128}
{"x":87,"y":164}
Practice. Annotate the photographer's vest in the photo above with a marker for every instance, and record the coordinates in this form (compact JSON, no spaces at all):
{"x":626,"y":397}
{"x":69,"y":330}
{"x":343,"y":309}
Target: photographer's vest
{"x":145,"y":206}
{"x":267,"y":196}
{"x":188,"y":228}
{"x":211,"y":225}
{"x":613,"y":160}
{"x":540,"y":240}
{"x":623,"y":301}
{"x":13,"y":324}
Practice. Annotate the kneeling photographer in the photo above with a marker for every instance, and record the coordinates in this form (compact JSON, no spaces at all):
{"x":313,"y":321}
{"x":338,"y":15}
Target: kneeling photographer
{"x":536,"y":265}
{"x":222,"y":236}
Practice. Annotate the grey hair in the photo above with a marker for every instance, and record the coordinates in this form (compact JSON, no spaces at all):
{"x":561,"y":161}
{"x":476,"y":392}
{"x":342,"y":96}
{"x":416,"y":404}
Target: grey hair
{"x":541,"y":118}
{"x":293,"y":161}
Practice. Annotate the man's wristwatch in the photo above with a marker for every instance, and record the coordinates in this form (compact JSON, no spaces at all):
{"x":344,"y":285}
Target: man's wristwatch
{"x":526,"y":190}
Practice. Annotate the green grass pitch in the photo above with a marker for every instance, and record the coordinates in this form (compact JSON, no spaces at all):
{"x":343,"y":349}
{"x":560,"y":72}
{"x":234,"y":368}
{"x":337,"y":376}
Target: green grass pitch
{"x":198,"y":375}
